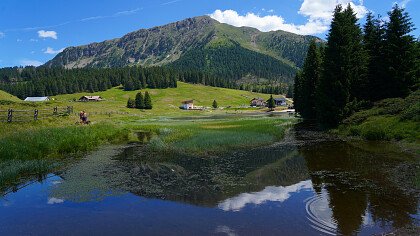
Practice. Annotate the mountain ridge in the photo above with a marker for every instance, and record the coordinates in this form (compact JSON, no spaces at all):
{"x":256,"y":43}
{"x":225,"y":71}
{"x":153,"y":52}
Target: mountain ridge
{"x":166,"y":44}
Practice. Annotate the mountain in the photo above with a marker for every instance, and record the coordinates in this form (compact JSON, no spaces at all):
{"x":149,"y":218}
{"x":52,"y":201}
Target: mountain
{"x":199,"y":43}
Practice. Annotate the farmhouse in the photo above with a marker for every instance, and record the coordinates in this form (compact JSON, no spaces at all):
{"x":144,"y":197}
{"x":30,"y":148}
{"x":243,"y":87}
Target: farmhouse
{"x":258,"y":102}
{"x":187,"y":105}
{"x":280,"y":101}
{"x":90,"y":99}
{"x":37,"y":99}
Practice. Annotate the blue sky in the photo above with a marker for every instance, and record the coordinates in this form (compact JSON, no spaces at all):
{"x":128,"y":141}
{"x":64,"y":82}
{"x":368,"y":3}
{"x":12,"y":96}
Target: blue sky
{"x":34,"y":31}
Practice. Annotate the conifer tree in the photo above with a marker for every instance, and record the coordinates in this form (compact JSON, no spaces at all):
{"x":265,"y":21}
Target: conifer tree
{"x":373,"y":44}
{"x":297,"y":88}
{"x":270,"y":103}
{"x":131,"y":103}
{"x":147,"y":101}
{"x":400,"y":55}
{"x":344,"y":68}
{"x":309,"y":79}
{"x":214,"y":104}
{"x":140,"y":101}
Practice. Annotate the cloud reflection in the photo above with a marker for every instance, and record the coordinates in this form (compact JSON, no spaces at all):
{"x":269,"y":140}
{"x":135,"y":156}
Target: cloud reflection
{"x":272,"y":194}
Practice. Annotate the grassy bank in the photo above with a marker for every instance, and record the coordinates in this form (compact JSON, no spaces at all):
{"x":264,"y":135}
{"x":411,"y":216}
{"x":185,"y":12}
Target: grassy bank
{"x":390,"y":119}
{"x":38,"y":151}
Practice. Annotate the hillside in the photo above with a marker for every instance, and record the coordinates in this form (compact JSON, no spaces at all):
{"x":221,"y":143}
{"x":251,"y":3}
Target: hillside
{"x":165,"y":101}
{"x":8,"y":97}
{"x":187,"y":40}
{"x":389,"y":119}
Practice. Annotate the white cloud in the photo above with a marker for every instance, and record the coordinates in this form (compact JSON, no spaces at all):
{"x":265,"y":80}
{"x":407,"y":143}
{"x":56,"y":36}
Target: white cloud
{"x":28,"y":62}
{"x":272,"y":194}
{"x":47,"y":34}
{"x":2,"y":35}
{"x":317,"y":12}
{"x":18,"y":40}
{"x":33,"y":40}
{"x":50,"y":50}
{"x":53,"y":200}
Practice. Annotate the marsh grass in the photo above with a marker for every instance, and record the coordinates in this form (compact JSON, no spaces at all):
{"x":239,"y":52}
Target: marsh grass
{"x":216,"y":136}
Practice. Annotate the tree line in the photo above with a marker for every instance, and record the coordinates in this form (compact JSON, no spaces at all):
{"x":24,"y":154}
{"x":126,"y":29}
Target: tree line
{"x":357,"y":66}
{"x":44,"y":81}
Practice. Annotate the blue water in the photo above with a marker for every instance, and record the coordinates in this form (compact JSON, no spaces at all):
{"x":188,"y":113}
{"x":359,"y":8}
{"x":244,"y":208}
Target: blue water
{"x":324,"y":189}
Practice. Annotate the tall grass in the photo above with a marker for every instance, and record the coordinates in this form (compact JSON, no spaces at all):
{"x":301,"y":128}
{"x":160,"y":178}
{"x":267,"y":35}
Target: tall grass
{"x":53,"y":142}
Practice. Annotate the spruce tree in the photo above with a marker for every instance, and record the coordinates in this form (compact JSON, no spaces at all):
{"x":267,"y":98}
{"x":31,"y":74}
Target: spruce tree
{"x":400,"y":55}
{"x":270,"y":103}
{"x":373,"y":44}
{"x":297,"y":88}
{"x":147,"y":101}
{"x":140,"y":101}
{"x":214,"y":104}
{"x":344,"y":68}
{"x":131,"y":103}
{"x":309,"y":79}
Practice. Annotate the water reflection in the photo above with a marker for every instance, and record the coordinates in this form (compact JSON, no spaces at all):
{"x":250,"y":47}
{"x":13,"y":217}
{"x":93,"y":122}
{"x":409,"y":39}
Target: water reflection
{"x":272,"y":194}
{"x":309,"y":184}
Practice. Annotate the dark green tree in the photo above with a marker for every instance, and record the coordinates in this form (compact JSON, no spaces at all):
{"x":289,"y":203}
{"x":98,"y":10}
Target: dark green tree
{"x":214,"y":105}
{"x":271,"y":104}
{"x":140,"y":101}
{"x":373,"y":44}
{"x":309,"y":78}
{"x":297,"y":91}
{"x":147,"y":101}
{"x":400,"y":56}
{"x":344,"y":68}
{"x":131,"y":103}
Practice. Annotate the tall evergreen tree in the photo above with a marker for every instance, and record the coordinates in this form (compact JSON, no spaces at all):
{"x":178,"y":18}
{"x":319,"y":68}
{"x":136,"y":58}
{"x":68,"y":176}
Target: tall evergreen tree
{"x":270,"y":103}
{"x":344,"y":68}
{"x":373,"y":44}
{"x":297,"y":88}
{"x":400,"y":55}
{"x":309,"y":79}
{"x":140,"y":101}
{"x":147,"y":101}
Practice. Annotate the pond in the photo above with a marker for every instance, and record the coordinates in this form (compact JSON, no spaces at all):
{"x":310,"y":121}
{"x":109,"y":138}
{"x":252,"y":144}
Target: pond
{"x":308,"y":184}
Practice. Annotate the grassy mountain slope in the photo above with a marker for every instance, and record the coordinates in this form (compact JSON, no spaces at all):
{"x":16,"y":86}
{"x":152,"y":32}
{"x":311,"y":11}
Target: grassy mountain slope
{"x":167,"y":44}
{"x":8,"y":97}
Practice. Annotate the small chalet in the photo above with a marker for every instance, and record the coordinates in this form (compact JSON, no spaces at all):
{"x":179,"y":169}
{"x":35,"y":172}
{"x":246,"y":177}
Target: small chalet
{"x":90,"y":99}
{"x":258,"y":102}
{"x":280,"y":101}
{"x":187,"y":105}
{"x":37,"y":99}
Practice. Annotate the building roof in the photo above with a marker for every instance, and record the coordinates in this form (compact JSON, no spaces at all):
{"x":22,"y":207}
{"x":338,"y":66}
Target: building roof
{"x":280,"y":99}
{"x":92,"y":97}
{"x":258,"y":99}
{"x":36,"y":99}
{"x":187,"y":101}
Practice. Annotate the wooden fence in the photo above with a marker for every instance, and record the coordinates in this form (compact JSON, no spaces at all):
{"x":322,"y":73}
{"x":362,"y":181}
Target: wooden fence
{"x":13,"y":115}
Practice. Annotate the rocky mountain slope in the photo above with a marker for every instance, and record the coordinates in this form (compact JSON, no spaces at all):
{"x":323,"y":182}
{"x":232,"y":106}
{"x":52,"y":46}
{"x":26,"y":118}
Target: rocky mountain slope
{"x":199,"y":39}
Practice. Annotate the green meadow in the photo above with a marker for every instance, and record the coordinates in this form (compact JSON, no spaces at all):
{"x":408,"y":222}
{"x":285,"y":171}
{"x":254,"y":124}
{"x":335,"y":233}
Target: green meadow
{"x":33,"y":148}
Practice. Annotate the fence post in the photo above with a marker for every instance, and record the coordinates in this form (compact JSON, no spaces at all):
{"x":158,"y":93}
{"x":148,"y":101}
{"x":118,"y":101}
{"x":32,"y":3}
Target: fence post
{"x":55,"y":111}
{"x":35,"y":115}
{"x":10,"y":115}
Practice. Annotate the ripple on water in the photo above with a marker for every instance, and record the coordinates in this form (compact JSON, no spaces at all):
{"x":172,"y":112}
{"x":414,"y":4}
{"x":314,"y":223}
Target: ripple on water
{"x":320,"y":215}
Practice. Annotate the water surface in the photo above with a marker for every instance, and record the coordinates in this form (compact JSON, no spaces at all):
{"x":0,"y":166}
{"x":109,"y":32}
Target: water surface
{"x":301,"y":186}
